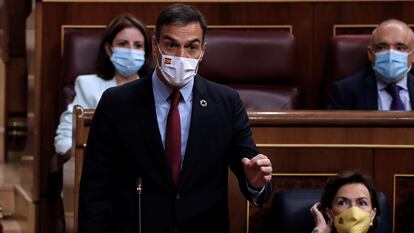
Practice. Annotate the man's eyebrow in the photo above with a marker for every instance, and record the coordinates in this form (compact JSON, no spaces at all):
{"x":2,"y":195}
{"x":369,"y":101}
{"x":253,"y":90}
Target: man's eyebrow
{"x":167,"y":37}
{"x":194,"y":41}
{"x":381,"y":43}
{"x":401,"y":43}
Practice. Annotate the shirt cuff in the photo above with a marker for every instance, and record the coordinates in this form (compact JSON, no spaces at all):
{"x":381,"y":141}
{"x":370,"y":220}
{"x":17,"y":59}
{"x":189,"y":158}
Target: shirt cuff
{"x":255,"y":194}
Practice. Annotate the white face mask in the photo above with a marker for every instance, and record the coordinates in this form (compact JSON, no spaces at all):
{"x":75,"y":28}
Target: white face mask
{"x":178,"y":71}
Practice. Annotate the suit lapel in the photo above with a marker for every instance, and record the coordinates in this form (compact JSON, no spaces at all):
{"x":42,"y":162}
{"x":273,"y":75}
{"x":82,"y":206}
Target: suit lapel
{"x":197,"y":130}
{"x":410,"y":85}
{"x":371,"y":90}
{"x":149,"y":125}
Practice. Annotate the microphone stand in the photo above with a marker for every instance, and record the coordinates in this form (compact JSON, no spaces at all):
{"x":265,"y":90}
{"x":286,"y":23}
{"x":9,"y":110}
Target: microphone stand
{"x":139,"y":191}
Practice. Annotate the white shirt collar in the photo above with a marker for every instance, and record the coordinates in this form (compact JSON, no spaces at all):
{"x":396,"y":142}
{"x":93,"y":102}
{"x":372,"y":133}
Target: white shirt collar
{"x":164,"y":92}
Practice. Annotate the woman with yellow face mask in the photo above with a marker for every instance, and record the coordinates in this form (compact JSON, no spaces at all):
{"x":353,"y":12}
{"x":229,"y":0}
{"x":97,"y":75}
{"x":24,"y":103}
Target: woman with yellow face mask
{"x":349,"y":204}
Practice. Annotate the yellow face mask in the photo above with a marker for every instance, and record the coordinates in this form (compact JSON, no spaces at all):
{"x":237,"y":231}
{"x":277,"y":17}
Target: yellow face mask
{"x":353,"y":220}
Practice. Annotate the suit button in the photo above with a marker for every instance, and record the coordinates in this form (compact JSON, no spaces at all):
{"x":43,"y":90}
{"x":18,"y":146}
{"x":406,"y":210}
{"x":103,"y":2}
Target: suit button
{"x":177,"y":196}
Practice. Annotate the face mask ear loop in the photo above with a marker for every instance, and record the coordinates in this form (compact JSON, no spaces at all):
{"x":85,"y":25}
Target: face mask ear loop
{"x":411,"y":65}
{"x":371,"y":223}
{"x":198,"y":64}
{"x":159,"y":50}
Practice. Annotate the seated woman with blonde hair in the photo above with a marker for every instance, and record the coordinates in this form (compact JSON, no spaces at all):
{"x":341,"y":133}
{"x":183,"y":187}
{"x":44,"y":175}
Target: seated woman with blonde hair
{"x":349,"y":204}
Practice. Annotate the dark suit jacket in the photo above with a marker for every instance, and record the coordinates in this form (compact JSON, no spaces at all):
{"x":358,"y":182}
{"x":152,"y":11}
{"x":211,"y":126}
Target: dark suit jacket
{"x":124,"y":143}
{"x":359,"y":92}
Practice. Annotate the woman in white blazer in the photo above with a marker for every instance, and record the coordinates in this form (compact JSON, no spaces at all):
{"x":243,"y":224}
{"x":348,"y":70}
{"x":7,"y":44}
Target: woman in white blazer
{"x":123,"y":57}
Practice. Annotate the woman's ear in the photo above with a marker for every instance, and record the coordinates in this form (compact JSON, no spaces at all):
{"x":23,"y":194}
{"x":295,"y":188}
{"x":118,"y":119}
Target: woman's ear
{"x":373,"y":214}
{"x":329,"y":213}
{"x":108,"y":50}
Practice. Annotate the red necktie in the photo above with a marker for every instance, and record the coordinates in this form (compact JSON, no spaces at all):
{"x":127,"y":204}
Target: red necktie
{"x":173,"y":137}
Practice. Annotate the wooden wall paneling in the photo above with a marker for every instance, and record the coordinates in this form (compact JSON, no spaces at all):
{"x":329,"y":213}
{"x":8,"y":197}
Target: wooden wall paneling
{"x":335,"y":136}
{"x":403,"y":204}
{"x":349,"y":29}
{"x":389,"y":162}
{"x":237,"y":206}
{"x":16,"y":85}
{"x":390,"y":165}
{"x":30,"y":161}
{"x":2,"y":111}
{"x":319,"y":160}
{"x":15,"y":13}
{"x":301,"y":16}
{"x":16,"y":107}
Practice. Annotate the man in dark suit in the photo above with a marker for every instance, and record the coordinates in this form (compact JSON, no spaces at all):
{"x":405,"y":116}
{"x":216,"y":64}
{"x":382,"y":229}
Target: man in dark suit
{"x":388,"y":85}
{"x":159,"y":148}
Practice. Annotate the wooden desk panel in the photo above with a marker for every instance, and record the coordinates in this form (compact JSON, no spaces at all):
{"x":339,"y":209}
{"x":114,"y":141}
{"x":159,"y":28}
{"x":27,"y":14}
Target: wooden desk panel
{"x":309,"y":165}
{"x":308,"y":146}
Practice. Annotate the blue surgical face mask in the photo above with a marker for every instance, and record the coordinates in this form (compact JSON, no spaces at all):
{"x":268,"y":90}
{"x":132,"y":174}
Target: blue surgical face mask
{"x":127,"y":61}
{"x":391,"y":65}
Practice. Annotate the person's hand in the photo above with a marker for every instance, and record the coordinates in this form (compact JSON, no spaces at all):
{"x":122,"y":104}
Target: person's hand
{"x":258,"y":170}
{"x":321,"y":226}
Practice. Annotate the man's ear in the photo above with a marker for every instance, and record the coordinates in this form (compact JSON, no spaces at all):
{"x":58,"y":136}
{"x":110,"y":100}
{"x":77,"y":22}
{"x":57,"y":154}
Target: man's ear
{"x":203,"y":51}
{"x":154,"y":46}
{"x":371,"y":55}
{"x":410,"y":59}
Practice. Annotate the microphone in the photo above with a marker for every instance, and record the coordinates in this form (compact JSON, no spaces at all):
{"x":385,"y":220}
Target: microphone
{"x":139,"y":191}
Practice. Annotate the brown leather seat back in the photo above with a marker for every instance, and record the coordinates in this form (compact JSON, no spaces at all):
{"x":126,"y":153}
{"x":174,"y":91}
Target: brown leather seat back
{"x":259,"y":63}
{"x":347,"y":54}
{"x":80,"y":50}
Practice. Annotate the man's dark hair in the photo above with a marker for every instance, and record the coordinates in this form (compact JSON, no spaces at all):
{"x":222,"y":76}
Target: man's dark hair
{"x":179,"y":14}
{"x":350,"y":177}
